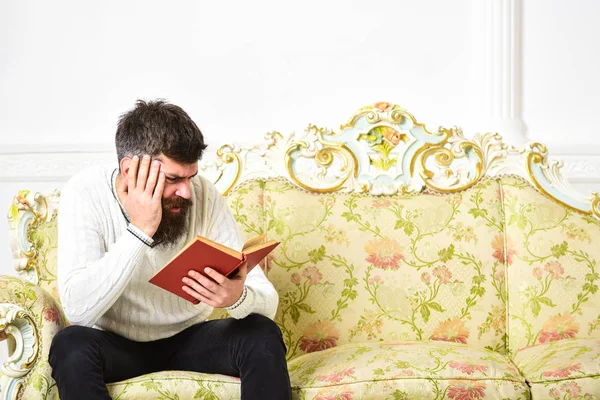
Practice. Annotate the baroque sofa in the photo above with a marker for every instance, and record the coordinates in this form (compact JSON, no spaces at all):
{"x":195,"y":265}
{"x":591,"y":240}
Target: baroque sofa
{"x":413,"y":264}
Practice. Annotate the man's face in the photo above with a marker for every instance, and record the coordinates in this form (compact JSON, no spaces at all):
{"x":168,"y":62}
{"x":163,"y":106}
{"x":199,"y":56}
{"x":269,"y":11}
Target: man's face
{"x":176,"y":199}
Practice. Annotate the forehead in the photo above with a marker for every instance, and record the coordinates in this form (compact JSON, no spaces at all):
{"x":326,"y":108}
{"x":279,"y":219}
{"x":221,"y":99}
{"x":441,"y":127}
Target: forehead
{"x":174,"y":168}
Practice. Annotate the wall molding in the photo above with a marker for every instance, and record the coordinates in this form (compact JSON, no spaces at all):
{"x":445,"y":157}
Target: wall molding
{"x":497,"y":47}
{"x":55,"y":147}
{"x":583,"y":171}
{"x":42,"y":163}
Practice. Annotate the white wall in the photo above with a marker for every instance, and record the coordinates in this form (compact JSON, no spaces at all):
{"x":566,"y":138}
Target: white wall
{"x":69,"y":68}
{"x":561,"y":90}
{"x":240,"y":68}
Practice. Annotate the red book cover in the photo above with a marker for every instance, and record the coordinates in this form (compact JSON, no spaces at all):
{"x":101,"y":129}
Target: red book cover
{"x":201,"y":253}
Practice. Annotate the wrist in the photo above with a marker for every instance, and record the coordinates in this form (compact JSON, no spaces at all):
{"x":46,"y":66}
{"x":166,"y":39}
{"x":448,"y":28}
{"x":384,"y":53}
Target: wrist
{"x":240,"y":300}
{"x":141,"y":235}
{"x":145,"y":229}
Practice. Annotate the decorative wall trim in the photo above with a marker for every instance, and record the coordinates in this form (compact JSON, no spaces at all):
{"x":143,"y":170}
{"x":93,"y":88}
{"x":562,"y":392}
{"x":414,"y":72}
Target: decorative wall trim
{"x":584,"y":171}
{"x":40,"y":163}
{"x":499,"y":24}
{"x":42,"y":167}
{"x":54,"y":147}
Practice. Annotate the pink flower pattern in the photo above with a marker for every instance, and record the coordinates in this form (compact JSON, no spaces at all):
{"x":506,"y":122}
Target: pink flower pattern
{"x":320,"y":335}
{"x":559,"y":327}
{"x":296,"y":278}
{"x":451,"y":330}
{"x":425,"y":277}
{"x":466,"y":390}
{"x":384,"y":253}
{"x":313,"y":274}
{"x":442,"y":273}
{"x":381,"y":203}
{"x":467,"y":367}
{"x":500,"y":252}
{"x":51,"y":314}
{"x":562,"y":371}
{"x":336,"y":377}
{"x":567,"y":390}
{"x":335,"y":393}
{"x":555,"y":269}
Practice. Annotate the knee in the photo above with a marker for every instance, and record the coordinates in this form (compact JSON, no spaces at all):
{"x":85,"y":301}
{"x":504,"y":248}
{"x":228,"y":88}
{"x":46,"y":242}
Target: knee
{"x":262,"y":337}
{"x":261,"y":327}
{"x":69,"y":345}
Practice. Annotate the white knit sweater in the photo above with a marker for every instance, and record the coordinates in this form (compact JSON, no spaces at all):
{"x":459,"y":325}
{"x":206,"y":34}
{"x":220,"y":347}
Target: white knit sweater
{"x":103,"y":269}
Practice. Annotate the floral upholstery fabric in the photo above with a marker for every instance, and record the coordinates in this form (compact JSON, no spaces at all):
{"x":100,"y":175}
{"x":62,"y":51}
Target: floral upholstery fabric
{"x":354,"y":268}
{"x":552,"y":268}
{"x":568,"y":368}
{"x":48,"y":318}
{"x":45,"y":241}
{"x":177,"y":385}
{"x":406,"y":370}
{"x":577,"y":389}
{"x":247,"y":206}
{"x":420,"y":296}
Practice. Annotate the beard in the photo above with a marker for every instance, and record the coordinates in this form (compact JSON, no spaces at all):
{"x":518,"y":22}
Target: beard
{"x":173,"y":225}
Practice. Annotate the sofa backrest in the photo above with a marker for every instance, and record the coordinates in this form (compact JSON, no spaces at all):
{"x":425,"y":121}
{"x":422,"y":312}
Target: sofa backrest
{"x":355,"y":268}
{"x":553,"y":268}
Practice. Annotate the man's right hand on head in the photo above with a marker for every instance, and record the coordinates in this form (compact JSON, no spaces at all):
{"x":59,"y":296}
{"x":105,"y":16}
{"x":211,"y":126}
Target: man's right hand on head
{"x":142,"y":193}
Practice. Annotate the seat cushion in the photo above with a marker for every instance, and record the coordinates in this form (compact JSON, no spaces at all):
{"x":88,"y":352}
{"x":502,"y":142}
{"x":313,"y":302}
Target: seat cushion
{"x":176,"y":385}
{"x":567,"y":368}
{"x":406,"y":370}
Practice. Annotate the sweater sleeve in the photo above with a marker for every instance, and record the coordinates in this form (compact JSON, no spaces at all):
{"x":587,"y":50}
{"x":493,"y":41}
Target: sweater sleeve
{"x":259,"y":295}
{"x":91,"y":277}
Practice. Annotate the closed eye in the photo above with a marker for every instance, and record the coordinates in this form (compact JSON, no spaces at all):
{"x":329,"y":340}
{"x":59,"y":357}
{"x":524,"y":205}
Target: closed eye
{"x":175,"y":179}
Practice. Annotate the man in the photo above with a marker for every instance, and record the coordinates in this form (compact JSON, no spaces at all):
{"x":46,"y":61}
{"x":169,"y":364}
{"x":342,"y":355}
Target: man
{"x":119,"y":226}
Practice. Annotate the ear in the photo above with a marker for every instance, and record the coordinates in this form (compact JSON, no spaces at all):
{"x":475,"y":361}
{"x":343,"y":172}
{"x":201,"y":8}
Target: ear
{"x":124,"y":167}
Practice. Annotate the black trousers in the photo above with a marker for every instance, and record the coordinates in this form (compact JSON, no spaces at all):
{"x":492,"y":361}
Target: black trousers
{"x":84,"y":359}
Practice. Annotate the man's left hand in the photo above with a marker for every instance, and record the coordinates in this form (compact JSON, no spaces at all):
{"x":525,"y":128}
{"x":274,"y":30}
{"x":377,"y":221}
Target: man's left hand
{"x":218,"y":292}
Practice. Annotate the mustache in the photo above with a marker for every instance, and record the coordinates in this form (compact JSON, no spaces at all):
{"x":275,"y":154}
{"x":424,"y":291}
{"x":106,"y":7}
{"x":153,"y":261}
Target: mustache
{"x":178,"y":202}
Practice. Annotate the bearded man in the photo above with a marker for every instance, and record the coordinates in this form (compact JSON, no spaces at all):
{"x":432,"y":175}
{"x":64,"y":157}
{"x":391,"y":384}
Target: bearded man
{"x":117,"y":227}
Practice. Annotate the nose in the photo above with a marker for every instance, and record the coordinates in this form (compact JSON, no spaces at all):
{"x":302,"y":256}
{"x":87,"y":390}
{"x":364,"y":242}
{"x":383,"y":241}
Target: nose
{"x":183,"y":190}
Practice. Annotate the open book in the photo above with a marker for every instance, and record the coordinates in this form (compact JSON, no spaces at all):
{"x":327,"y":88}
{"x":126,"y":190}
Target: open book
{"x":200,"y":253}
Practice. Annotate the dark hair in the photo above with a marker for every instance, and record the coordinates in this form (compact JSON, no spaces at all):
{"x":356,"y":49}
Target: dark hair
{"x":157,"y":127}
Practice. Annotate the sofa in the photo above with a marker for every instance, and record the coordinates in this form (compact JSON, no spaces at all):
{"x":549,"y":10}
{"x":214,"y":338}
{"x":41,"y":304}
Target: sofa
{"x":413,"y":264}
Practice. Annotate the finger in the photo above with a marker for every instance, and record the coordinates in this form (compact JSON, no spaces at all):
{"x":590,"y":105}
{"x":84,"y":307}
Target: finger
{"x":153,"y":177}
{"x":220,"y":279}
{"x":198,"y":287}
{"x":199,"y":296}
{"x":204,"y":281}
{"x":142,"y":177}
{"x":199,"y":291}
{"x":191,"y":292}
{"x":132,"y":173}
{"x":160,"y":186}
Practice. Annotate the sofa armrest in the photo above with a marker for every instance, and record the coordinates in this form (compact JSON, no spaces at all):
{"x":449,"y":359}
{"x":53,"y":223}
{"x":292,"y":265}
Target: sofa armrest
{"x":29,"y":319}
